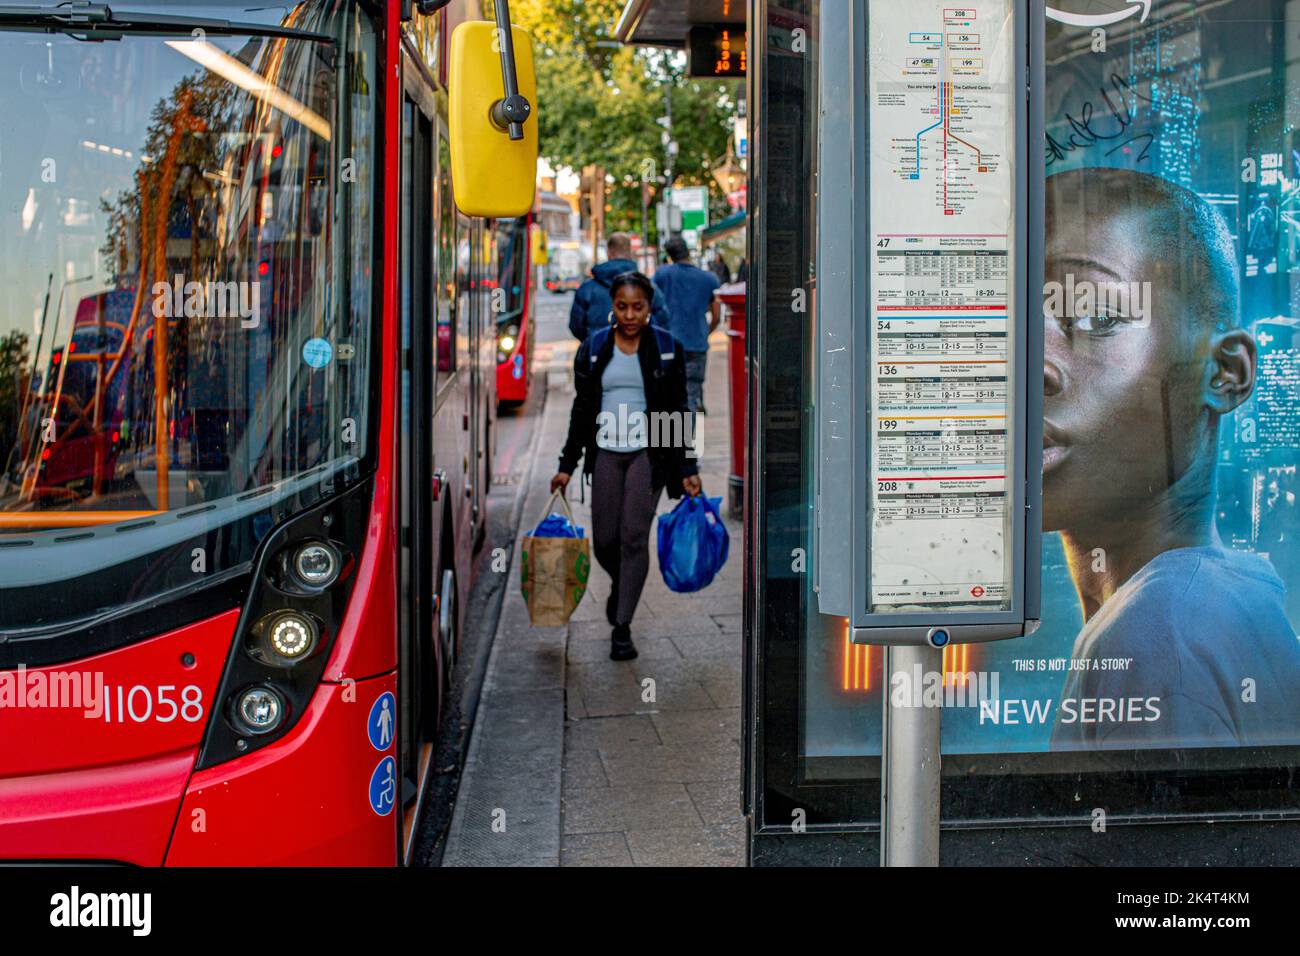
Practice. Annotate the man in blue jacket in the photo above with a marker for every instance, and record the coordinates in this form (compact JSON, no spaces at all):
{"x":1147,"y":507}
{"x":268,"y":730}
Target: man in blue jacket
{"x":592,"y":305}
{"x":694,"y":313}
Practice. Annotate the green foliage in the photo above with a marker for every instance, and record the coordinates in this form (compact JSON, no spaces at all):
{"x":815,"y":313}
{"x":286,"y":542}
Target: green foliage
{"x":15,"y":370}
{"x":598,"y":104}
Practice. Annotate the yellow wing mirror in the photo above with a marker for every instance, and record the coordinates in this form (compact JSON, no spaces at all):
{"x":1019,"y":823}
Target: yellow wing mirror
{"x":493,"y":118}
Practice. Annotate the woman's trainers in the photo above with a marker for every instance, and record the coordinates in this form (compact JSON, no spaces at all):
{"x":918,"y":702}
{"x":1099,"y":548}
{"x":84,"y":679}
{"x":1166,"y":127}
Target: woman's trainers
{"x":621,"y":647}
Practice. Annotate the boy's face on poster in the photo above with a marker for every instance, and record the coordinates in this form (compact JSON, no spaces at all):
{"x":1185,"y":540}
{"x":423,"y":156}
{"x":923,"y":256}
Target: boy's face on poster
{"x":1124,"y":386}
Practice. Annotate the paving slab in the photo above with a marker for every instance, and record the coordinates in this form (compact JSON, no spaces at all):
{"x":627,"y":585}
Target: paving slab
{"x":725,"y":644}
{"x":688,"y":846}
{"x":605,"y":733}
{"x":693,"y":726}
{"x":583,"y":769}
{"x":648,"y":648}
{"x":685,"y":763}
{"x":596,"y":849}
{"x":717,"y":802}
{"x":680,"y":695}
{"x":607,"y":809}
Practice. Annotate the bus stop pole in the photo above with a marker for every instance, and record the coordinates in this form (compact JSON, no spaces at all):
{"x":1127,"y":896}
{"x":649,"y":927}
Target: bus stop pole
{"x":909,"y":785}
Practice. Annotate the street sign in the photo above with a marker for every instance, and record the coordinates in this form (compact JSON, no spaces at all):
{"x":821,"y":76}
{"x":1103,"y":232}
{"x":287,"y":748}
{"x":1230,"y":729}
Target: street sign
{"x":693,"y":201}
{"x":928,"y":354}
{"x":662,"y":225}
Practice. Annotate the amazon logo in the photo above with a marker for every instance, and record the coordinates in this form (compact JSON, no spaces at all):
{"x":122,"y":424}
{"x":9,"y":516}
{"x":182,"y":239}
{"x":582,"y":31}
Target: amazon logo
{"x":1139,"y":8}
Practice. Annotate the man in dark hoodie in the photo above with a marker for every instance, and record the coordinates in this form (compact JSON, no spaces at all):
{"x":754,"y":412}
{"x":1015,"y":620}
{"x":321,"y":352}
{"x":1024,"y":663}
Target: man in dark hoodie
{"x":592,"y":305}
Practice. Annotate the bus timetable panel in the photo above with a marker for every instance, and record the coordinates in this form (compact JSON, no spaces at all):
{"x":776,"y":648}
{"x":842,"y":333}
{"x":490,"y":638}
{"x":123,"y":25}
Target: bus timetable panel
{"x":936,"y":333}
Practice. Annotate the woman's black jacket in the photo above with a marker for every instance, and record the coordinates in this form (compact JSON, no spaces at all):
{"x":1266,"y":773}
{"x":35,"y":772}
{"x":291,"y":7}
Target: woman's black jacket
{"x":663,"y":372}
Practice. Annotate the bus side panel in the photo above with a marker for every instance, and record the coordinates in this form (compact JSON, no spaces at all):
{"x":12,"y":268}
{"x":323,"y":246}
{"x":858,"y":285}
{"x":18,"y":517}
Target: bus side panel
{"x":123,"y":813}
{"x":509,"y":389}
{"x":367,"y":639}
{"x":305,"y":800}
{"x":128,"y":704}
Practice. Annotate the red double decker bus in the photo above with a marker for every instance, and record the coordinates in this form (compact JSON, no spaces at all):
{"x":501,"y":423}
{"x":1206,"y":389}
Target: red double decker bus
{"x":515,"y":326}
{"x":244,"y":476}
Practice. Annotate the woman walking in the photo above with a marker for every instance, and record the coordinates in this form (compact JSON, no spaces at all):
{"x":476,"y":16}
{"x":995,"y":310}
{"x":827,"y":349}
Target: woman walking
{"x":627,"y":377}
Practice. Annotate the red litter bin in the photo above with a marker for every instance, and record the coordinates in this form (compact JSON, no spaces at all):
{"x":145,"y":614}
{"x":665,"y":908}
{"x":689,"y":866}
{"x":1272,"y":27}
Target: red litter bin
{"x":733,"y":300}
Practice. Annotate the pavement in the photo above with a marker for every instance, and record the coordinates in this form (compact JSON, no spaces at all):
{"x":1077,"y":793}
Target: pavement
{"x":577,"y":760}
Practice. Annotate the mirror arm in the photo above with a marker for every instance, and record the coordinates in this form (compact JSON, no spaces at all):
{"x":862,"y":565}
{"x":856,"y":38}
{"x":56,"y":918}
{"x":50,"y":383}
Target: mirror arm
{"x":511,"y":112}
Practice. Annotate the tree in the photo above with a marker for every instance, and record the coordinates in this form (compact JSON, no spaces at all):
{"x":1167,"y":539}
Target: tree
{"x":15,"y":380}
{"x":600,"y":104}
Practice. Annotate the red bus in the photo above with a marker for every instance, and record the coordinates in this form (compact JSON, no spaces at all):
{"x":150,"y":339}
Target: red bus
{"x":69,"y":437}
{"x":515,"y":326}
{"x":235,"y":549}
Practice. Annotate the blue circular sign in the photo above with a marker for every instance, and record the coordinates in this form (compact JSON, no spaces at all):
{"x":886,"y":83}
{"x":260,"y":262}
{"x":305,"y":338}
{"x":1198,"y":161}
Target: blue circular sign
{"x":382,"y":721}
{"x":383,"y":787}
{"x":317,"y":353}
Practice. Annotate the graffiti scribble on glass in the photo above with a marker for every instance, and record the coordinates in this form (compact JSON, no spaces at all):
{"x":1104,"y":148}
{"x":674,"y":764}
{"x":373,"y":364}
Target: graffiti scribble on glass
{"x":1084,"y":134}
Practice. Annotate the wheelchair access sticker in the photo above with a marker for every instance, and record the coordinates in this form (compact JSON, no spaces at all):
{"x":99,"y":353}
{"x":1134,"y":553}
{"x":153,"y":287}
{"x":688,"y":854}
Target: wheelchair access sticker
{"x":383,"y":787}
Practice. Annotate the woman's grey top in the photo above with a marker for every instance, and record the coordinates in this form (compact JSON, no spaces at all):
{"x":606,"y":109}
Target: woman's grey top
{"x":621,"y":424}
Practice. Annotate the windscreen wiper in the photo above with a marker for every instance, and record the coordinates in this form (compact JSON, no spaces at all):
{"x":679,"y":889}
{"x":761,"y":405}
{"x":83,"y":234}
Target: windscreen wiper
{"x":97,"y":21}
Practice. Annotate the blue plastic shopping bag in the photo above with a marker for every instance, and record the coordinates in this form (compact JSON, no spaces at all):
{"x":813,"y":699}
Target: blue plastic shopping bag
{"x":693,"y":544}
{"x":556,"y":525}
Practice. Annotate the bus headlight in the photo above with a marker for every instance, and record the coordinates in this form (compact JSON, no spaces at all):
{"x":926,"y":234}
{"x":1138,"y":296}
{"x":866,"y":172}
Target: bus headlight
{"x":284,"y":637}
{"x":508,"y":344}
{"x":259,"y":710}
{"x":316,"y":564}
{"x":291,"y":635}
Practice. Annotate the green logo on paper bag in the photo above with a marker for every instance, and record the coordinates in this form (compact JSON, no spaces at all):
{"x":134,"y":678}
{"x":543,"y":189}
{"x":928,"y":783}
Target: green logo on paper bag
{"x":523,"y":568}
{"x":582,"y":568}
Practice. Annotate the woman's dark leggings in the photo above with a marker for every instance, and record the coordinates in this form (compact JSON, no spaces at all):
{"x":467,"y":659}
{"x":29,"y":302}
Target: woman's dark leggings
{"x":623,"y":503}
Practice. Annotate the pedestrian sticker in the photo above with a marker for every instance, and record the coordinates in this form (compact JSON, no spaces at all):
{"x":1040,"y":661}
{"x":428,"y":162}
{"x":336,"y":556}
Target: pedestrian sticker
{"x":383,"y":787}
{"x":380,"y":727}
{"x":317,"y":353}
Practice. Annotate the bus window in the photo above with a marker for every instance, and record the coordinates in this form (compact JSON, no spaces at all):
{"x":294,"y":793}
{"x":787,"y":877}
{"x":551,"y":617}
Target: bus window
{"x":448,"y":266}
{"x":467,"y":275}
{"x":212,"y":351}
{"x":512,"y":265}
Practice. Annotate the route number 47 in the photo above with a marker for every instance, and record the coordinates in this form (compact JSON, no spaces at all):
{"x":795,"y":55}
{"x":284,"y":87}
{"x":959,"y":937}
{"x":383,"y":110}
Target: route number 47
{"x":882,"y":243}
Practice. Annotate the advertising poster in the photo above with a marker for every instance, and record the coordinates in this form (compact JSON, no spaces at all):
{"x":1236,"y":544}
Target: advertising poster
{"x":1171,"y":552}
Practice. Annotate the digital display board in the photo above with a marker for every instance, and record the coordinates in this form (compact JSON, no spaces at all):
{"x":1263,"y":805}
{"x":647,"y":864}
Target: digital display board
{"x":717,"y":50}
